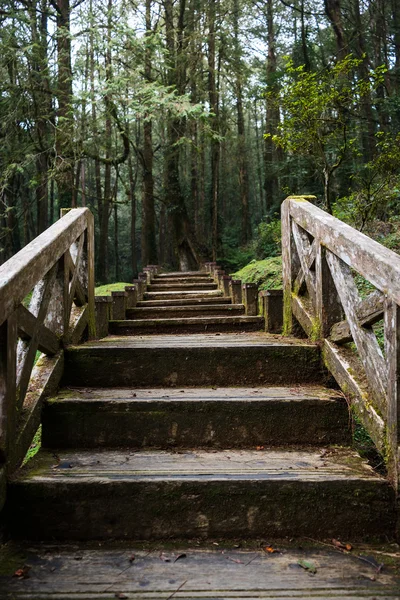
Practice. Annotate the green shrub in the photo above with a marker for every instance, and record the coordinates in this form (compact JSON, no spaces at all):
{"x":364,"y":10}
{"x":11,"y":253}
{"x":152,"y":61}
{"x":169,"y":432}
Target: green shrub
{"x":267,"y":274}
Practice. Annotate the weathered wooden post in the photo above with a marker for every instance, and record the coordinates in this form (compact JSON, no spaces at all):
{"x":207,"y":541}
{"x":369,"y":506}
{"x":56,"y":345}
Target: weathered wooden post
{"x":226,"y":279}
{"x":219,"y":273}
{"x":119,"y":305}
{"x":149,"y":272}
{"x":132,"y":296}
{"x":250,"y":298}
{"x":235,"y":291}
{"x":271,"y":307}
{"x":103,"y":313}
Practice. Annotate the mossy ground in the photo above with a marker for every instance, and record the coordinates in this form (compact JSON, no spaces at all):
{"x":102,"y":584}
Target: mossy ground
{"x":267,"y":274}
{"x":105,"y":290}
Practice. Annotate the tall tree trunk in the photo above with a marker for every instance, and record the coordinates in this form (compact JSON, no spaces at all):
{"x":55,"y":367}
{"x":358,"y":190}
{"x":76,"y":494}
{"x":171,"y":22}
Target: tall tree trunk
{"x":333,"y":11}
{"x":149,"y":242}
{"x":105,"y":210}
{"x":272,"y":155}
{"x":64,"y":131}
{"x":242,"y":149}
{"x":215,"y":144}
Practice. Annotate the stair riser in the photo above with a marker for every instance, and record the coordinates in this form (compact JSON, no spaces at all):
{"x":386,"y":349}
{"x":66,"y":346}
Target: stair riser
{"x":154,"y":327}
{"x":181,"y":295}
{"x":215,"y":424}
{"x":179,"y":281}
{"x":177,"y":312}
{"x":215,"y":300}
{"x":190,"y":287}
{"x":191,"y":366}
{"x":150,"y":510}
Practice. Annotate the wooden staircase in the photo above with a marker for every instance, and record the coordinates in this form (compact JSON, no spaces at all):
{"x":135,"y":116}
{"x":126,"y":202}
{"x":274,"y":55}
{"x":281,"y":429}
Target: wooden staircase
{"x":185,"y":302}
{"x":160,"y":432}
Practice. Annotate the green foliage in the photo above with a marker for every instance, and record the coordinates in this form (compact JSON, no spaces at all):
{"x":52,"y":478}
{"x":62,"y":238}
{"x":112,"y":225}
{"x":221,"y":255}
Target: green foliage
{"x":35,"y":446}
{"x":268,"y":240}
{"x":267,"y":274}
{"x":377,"y":185}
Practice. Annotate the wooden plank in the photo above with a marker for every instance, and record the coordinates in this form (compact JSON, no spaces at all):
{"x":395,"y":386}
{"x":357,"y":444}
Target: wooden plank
{"x":309,"y":258}
{"x":26,"y":353}
{"x":286,"y":268}
{"x":302,"y":314}
{"x":365,"y":339}
{"x":369,"y":311}
{"x":19,"y":274}
{"x":8,"y":376}
{"x":3,"y":487}
{"x":328,"y":307}
{"x":392,"y":351}
{"x":377,"y":264}
{"x":48,"y":342}
{"x":61,"y":572}
{"x":304,"y":250}
{"x":77,"y":325}
{"x":344,"y":366}
{"x":46,"y":375}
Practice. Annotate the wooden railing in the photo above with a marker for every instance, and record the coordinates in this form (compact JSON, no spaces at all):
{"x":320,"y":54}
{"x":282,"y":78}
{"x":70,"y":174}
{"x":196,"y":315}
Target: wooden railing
{"x":46,"y":301}
{"x":321,"y":257}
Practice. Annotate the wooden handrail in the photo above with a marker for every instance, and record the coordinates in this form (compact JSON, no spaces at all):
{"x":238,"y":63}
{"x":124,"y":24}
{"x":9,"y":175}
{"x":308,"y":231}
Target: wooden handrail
{"x":320,"y":256}
{"x":57,"y":268}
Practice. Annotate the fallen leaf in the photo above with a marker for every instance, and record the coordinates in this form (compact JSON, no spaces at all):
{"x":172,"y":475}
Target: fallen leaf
{"x":183,"y":555}
{"x":260,"y":448}
{"x":338,"y":544}
{"x":22,"y":573}
{"x":133,"y":395}
{"x":308,"y":565}
{"x":271,"y":550}
{"x":132,"y":558}
{"x":121,"y":596}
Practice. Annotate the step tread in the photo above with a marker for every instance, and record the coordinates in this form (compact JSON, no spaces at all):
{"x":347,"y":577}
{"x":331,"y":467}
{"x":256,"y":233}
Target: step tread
{"x":218,"y":300}
{"x":196,"y":394}
{"x":206,"y":340}
{"x":305,"y":465}
{"x":209,"y":572}
{"x":194,"y":308}
{"x":177,"y":321}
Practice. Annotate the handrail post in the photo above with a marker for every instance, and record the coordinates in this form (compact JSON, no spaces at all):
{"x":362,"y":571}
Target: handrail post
{"x":286,"y":267}
{"x":91,"y":279}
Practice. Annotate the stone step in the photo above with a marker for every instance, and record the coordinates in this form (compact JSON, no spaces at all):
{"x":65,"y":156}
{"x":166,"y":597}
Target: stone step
{"x":202,"y":570}
{"x":195,"y":417}
{"x":202,"y":310}
{"x":181,"y":287}
{"x":149,"y":495}
{"x":180,"y":295}
{"x":193,"y":360}
{"x":187,"y":324}
{"x":197,"y":301}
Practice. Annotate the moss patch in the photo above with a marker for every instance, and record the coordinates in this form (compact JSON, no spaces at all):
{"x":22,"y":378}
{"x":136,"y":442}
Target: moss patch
{"x":35,"y":446}
{"x":267,"y":274}
{"x":105,"y":290}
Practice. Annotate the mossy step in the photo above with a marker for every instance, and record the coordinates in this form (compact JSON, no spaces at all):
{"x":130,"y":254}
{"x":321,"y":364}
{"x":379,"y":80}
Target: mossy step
{"x":190,"y":417}
{"x":179,"y":295}
{"x":199,"y":571}
{"x":197,"y":310}
{"x":187,"y":324}
{"x":148,"y":495}
{"x":184,"y":287}
{"x":196,"y":301}
{"x":193,"y":360}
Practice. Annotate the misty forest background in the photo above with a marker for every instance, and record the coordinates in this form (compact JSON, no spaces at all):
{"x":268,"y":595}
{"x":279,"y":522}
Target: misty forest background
{"x":183,"y":124}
